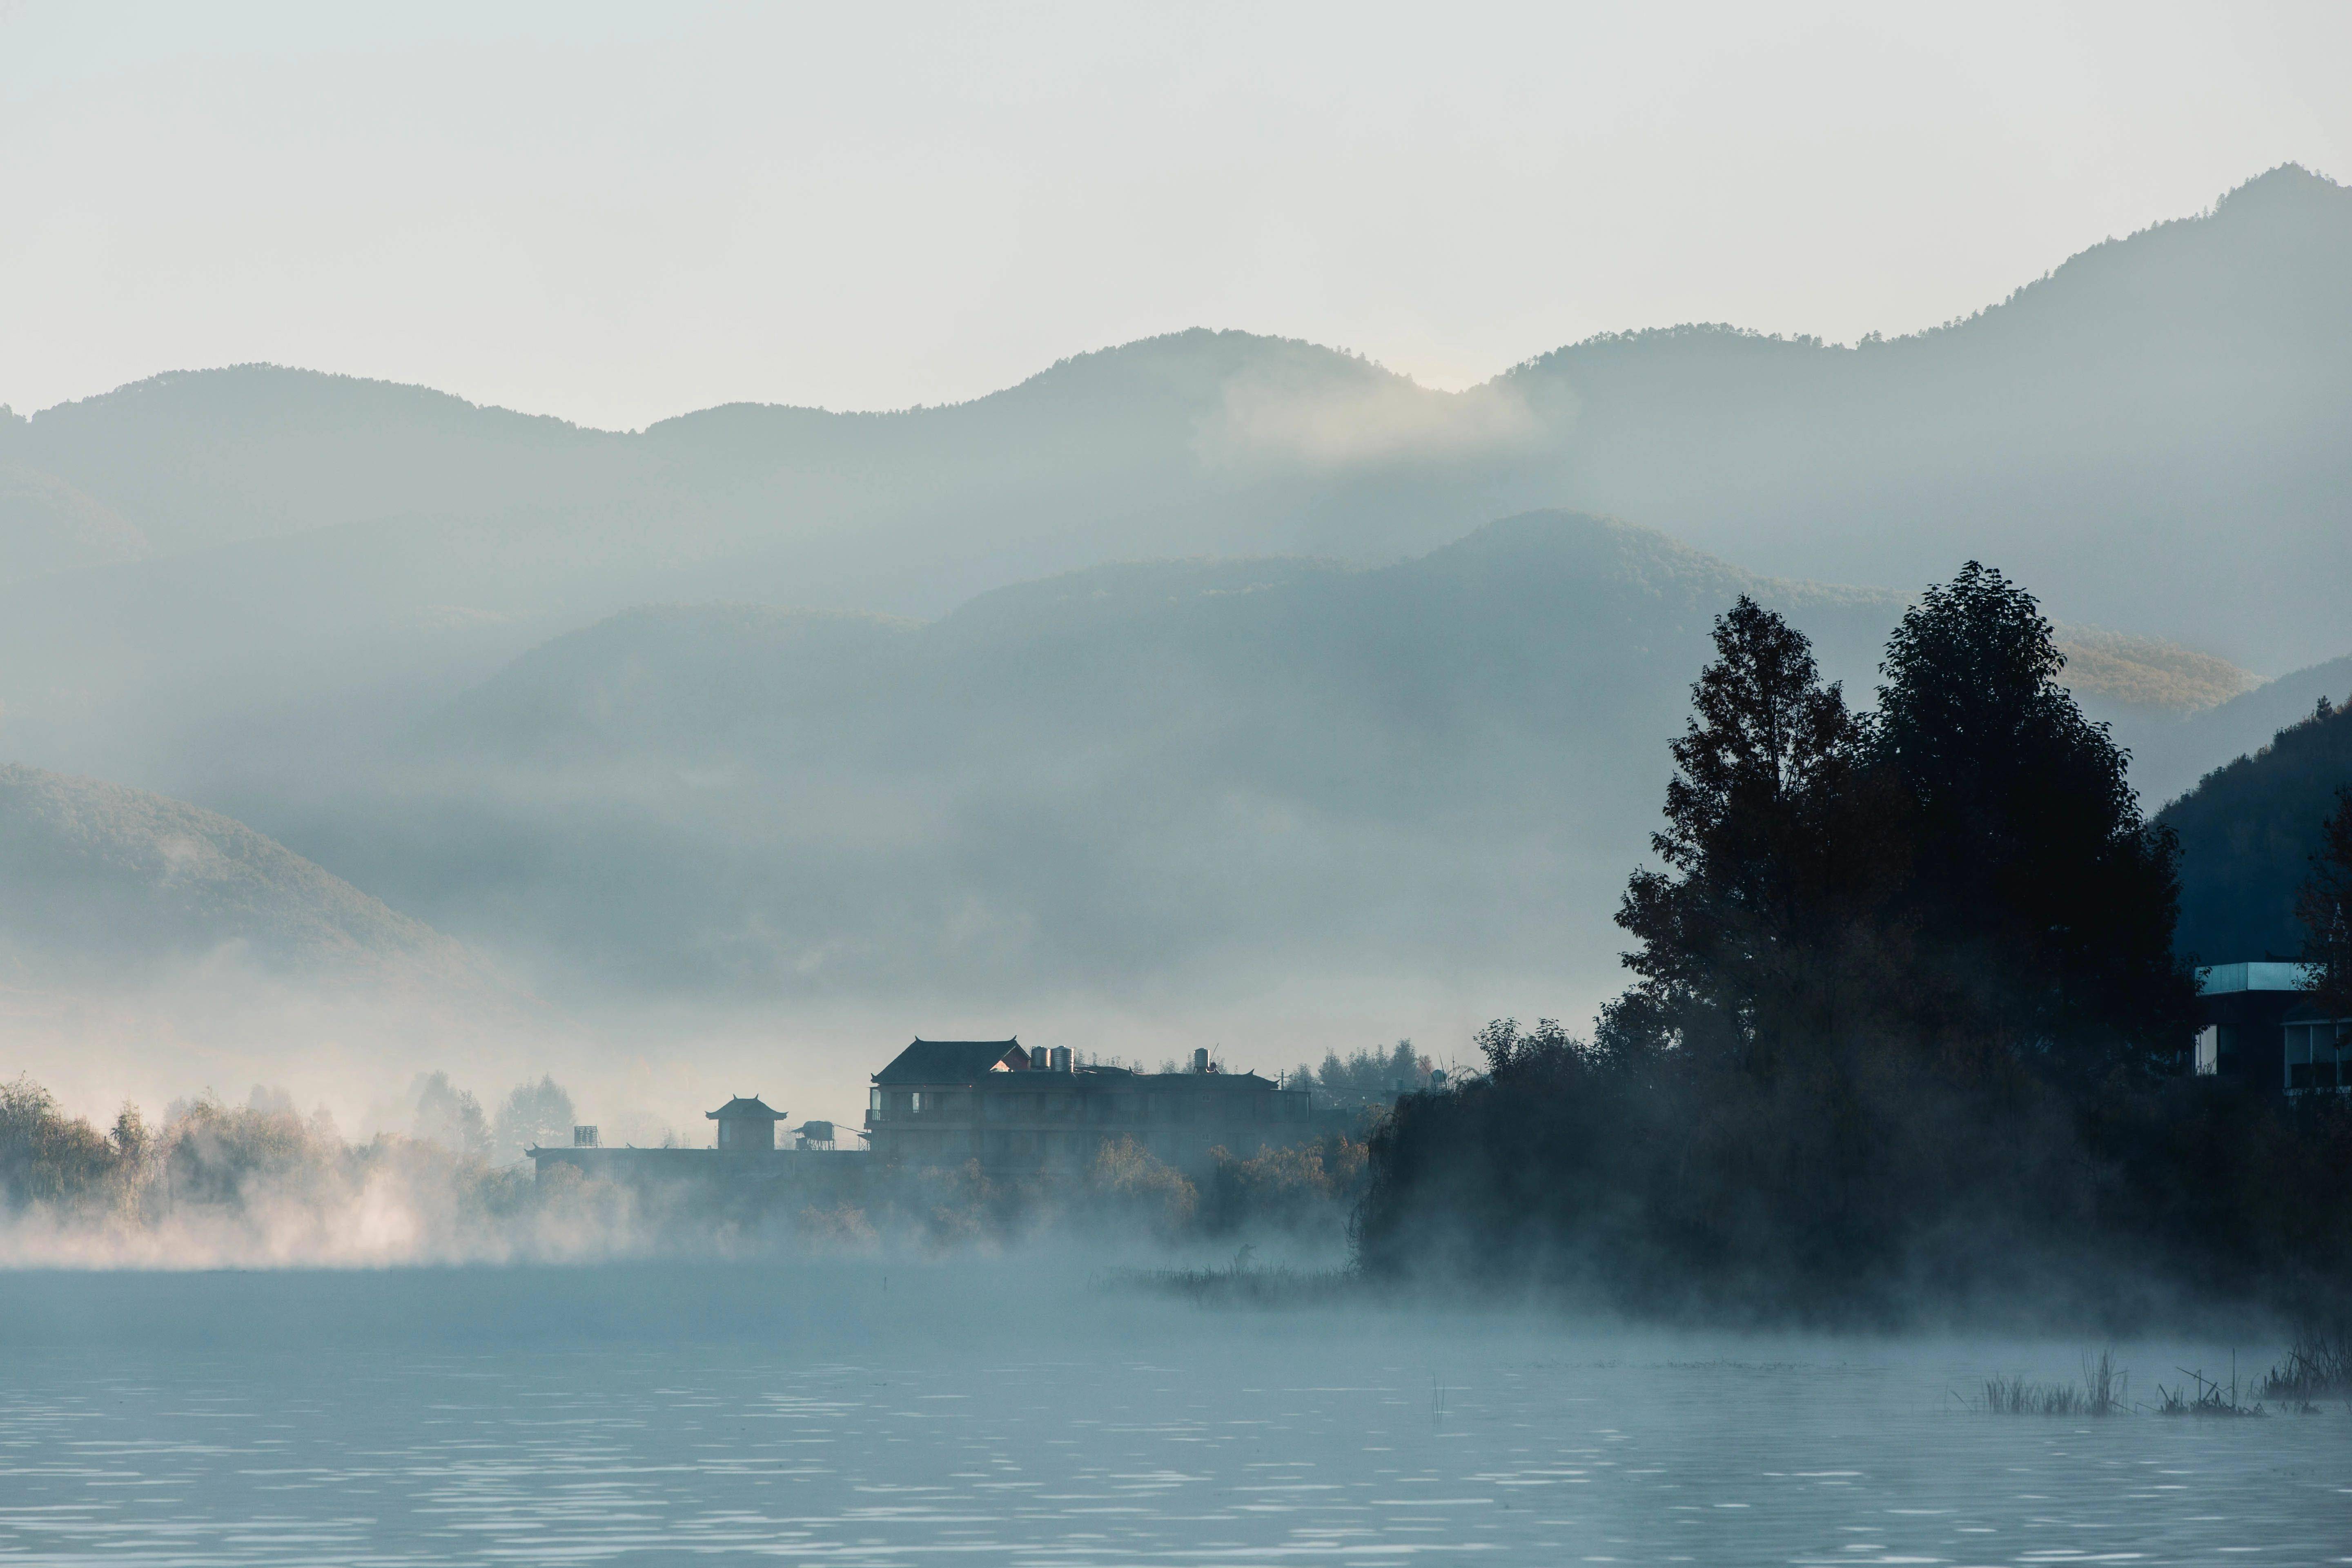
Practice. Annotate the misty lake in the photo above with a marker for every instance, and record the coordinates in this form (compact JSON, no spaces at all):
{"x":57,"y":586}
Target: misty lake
{"x":1015,"y":1411}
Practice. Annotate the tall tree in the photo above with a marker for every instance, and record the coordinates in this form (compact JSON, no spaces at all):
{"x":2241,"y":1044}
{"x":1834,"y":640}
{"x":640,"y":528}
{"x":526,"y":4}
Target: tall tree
{"x":2325,"y":911}
{"x":532,"y":1113}
{"x":1732,"y":932}
{"x":2044,"y":905}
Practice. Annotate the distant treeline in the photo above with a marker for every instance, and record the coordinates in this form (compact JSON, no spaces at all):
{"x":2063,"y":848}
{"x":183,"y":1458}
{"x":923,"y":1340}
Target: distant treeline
{"x":1363,"y":1079}
{"x":1909,"y":1033}
{"x":259,"y":1183}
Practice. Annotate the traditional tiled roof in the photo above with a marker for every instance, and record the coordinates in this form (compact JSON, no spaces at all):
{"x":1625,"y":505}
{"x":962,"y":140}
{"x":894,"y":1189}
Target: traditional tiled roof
{"x":951,"y":1062}
{"x":752,"y":1110}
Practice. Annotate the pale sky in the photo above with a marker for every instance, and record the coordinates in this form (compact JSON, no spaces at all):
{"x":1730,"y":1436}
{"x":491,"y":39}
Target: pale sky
{"x":617,"y":212}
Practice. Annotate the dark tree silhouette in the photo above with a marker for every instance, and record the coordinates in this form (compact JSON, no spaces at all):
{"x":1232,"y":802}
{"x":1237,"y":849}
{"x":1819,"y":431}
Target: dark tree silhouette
{"x":1903,"y":984}
{"x":2045,"y":906}
{"x":1738,"y":935}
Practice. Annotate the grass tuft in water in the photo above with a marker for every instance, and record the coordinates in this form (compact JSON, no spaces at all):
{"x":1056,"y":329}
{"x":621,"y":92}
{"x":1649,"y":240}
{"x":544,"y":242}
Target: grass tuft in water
{"x":2318,"y":1365}
{"x":2212,"y":1396}
{"x":2103,"y":1392}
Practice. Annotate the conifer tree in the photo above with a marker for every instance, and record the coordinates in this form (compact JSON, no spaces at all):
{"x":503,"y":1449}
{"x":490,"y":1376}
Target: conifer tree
{"x":1734,"y":932}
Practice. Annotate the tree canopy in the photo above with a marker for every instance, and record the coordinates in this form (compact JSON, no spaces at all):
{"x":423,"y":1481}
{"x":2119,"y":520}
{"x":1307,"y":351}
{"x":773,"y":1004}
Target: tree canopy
{"x":2044,"y":906}
{"x":1964,"y":873}
{"x":1906,"y":1008}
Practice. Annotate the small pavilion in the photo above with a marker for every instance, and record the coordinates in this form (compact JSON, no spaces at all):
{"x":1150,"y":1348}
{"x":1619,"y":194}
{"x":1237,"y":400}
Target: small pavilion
{"x":746,"y":1125}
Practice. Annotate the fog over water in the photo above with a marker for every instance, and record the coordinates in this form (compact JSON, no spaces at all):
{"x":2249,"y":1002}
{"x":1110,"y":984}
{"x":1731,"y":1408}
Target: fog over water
{"x":1020,"y":1410}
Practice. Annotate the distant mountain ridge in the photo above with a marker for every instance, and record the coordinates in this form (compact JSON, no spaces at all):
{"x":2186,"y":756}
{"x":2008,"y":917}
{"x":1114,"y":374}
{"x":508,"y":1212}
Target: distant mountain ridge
{"x":1332,"y":695}
{"x":2088,"y":434}
{"x":96,"y":875}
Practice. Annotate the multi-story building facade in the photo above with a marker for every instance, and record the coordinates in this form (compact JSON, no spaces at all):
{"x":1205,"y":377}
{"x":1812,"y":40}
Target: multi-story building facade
{"x":951,"y":1101}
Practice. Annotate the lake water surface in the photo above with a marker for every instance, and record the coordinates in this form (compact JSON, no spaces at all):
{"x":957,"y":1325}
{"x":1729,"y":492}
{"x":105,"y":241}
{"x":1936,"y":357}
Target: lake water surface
{"x":1012,"y":1411}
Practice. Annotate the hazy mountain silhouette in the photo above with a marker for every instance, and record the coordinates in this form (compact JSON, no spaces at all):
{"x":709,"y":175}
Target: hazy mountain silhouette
{"x":202,"y":458}
{"x":2138,"y":400}
{"x":266,"y":588}
{"x":1209,"y":772}
{"x":2158,"y":437}
{"x":2155,"y":436}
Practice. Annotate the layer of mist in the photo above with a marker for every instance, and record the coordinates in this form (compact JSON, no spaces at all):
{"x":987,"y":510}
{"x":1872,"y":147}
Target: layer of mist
{"x":441,"y":1180}
{"x":1175,"y":785}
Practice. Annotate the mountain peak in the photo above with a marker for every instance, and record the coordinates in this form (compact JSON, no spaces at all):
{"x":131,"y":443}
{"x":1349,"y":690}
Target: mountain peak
{"x":2287,"y":183}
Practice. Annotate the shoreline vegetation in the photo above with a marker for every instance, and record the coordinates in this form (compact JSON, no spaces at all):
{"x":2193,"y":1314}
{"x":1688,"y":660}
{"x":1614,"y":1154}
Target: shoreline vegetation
{"x":2104,"y":1390}
{"x":2315,"y":1367}
{"x":1908,"y":1037}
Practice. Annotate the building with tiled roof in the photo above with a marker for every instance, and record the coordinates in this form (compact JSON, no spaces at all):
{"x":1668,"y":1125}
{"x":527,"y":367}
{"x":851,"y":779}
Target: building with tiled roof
{"x":1008,"y":1107}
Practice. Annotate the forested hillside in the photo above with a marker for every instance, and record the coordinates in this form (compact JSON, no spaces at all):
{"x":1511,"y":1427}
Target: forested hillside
{"x":98,"y":879}
{"x":2247,"y":835}
{"x":2170,"y":752}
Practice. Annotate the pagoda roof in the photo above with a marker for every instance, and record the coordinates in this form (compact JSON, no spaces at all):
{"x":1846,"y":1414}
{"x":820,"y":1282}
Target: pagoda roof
{"x":741,"y":1109}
